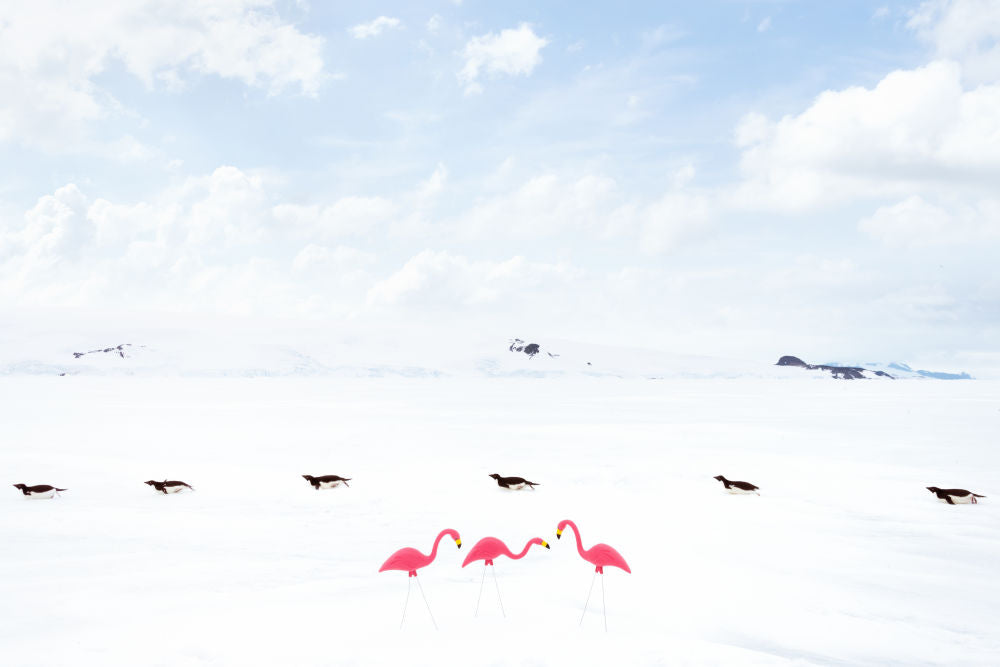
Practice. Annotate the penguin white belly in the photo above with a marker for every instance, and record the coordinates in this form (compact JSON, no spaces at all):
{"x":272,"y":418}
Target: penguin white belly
{"x":516,"y":487}
{"x":329,"y":485}
{"x":43,"y":494}
{"x":739,"y":492}
{"x":960,"y":500}
{"x":174,"y":489}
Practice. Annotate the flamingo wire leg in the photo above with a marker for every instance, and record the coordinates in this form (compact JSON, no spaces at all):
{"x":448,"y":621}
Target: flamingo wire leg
{"x":405,"y":604}
{"x":588,"y":597}
{"x":604,"y":603}
{"x":426,"y":603}
{"x":500,"y":599}
{"x":480,"y":591}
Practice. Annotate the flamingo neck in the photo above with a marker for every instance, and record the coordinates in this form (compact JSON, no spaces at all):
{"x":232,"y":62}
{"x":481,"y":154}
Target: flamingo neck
{"x":437,"y":541}
{"x":523,"y":551}
{"x":579,"y":543}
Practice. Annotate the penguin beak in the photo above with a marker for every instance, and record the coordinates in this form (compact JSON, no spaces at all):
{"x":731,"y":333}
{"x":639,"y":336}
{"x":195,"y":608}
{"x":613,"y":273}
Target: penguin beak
{"x":545,"y":544}
{"x":559,"y":534}
{"x":458,"y":543}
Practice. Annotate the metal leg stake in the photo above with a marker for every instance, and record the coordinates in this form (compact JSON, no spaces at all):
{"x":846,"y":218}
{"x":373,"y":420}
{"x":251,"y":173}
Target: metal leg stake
{"x":408,"y":586}
{"x":588,"y":598}
{"x":493,"y":567}
{"x":604,"y":603}
{"x":426,"y":603}
{"x":483,"y":581}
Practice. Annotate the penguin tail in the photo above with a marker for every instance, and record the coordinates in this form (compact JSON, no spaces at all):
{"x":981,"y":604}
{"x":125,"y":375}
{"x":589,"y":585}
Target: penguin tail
{"x":532,"y":485}
{"x":68,"y":490}
{"x":976,"y":495}
{"x":346,"y":480}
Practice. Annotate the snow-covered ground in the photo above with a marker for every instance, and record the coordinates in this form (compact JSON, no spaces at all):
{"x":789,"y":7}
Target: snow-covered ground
{"x":843,"y":558}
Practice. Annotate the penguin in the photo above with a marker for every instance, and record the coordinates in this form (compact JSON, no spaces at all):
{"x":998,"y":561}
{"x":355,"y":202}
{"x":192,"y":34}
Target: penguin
{"x":39,"y":491}
{"x":327,"y":481}
{"x":737,"y":487}
{"x":166,"y":487}
{"x":514,"y":483}
{"x":955,"y":496}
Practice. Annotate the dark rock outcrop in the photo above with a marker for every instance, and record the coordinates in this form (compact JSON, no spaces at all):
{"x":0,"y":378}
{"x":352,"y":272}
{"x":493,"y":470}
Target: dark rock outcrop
{"x":839,"y":372}
{"x":530,"y":349}
{"x":118,"y":349}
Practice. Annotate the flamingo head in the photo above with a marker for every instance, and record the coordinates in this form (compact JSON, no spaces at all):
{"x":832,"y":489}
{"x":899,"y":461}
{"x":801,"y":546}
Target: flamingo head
{"x":453,"y":534}
{"x":538,"y":540}
{"x":562,"y":526}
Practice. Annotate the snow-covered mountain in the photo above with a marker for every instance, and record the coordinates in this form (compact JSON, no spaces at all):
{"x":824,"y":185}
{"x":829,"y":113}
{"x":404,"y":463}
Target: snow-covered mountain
{"x":353,"y":354}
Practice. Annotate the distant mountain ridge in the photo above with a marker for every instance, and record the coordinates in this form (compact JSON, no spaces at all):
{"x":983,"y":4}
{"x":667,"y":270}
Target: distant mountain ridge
{"x":209,"y":353}
{"x":873,"y":369}
{"x":838,"y":372}
{"x":937,"y":375}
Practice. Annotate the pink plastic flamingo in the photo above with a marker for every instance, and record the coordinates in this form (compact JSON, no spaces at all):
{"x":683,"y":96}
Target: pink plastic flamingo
{"x":410,"y":560}
{"x":486,"y":550}
{"x":599,"y":555}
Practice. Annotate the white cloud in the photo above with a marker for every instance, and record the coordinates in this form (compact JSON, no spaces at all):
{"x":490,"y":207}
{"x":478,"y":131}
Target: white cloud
{"x":375,"y":27}
{"x":542,"y":205}
{"x":967,"y":31}
{"x":915,"y":129}
{"x":515,"y":51}
{"x":673,"y":217}
{"x":441,"y":279}
{"x":434,"y":185}
{"x":49,"y":66}
{"x":348,"y":216}
{"x":916,"y":222}
{"x":764,"y":24}
{"x":880,"y":13}
{"x":663,"y":34}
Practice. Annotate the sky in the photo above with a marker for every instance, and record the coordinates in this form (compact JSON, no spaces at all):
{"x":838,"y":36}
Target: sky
{"x":737,"y":178}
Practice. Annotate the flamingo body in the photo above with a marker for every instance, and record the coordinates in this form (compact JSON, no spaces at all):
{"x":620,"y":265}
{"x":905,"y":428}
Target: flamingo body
{"x":489,"y":548}
{"x":410,"y":560}
{"x":598,"y":555}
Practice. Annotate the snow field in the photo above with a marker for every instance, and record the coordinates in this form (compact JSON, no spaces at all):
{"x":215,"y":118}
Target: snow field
{"x":843,"y":558}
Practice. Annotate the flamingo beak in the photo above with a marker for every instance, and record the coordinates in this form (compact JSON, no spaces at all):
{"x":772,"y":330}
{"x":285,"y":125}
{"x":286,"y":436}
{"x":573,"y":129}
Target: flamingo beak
{"x":559,"y":534}
{"x":545,"y":544}
{"x":458,"y":543}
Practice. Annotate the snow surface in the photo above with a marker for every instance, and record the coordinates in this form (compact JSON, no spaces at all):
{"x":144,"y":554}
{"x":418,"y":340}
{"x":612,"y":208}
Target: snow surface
{"x":843,"y":558}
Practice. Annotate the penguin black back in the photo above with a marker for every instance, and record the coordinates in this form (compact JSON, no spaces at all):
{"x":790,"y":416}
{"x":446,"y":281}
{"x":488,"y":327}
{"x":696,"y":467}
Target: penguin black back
{"x":513,"y":482}
{"x":327,"y":481}
{"x":950,"y":495}
{"x":745,"y":487}
{"x":38,"y":490}
{"x":168,"y":486}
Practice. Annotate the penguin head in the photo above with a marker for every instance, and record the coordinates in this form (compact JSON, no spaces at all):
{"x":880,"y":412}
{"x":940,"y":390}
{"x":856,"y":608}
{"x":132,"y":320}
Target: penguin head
{"x":720,"y":478}
{"x":151,"y":483}
{"x":19,"y":486}
{"x":495,"y":476}
{"x":308,"y":478}
{"x":933,"y":489}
